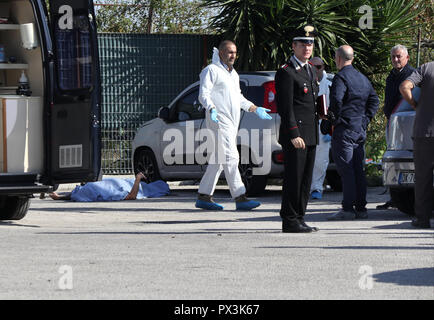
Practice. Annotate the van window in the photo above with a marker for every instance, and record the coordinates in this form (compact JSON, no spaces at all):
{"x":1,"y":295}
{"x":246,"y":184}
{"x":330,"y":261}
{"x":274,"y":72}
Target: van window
{"x":74,"y":56}
{"x":189,"y":108}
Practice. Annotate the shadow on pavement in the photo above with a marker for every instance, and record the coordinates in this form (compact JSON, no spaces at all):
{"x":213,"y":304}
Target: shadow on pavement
{"x":403,"y":225}
{"x":423,"y":277}
{"x":204,"y":232}
{"x":350,"y":247}
{"x":14,"y":224}
{"x":92,"y":210}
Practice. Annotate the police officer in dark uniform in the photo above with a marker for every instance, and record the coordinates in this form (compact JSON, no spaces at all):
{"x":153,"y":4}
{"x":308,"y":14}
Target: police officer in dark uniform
{"x":297,"y":89}
{"x":353,"y":102}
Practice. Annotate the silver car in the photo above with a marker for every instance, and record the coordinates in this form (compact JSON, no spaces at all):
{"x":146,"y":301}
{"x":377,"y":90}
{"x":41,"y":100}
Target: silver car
{"x":398,"y":164}
{"x":185,"y":116}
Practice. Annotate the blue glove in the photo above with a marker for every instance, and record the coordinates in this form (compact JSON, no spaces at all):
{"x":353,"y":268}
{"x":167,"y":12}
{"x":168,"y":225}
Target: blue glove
{"x":214,"y":115}
{"x":327,"y":138}
{"x":262,"y":113}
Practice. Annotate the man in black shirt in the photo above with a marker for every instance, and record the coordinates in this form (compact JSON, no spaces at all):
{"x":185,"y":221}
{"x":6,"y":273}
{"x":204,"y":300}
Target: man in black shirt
{"x":401,"y":71}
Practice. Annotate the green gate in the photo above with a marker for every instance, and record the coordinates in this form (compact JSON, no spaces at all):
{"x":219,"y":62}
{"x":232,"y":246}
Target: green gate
{"x":141,"y":73}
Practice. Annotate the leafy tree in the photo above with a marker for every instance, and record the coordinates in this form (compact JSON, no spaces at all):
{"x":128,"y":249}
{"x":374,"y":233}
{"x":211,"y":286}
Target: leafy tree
{"x":113,"y":16}
{"x":245,"y":22}
{"x":153,"y":16}
{"x":263,"y":30}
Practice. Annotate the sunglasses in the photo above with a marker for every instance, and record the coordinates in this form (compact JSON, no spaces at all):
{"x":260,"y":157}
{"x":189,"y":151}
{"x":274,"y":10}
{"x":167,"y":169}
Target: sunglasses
{"x":319,"y":67}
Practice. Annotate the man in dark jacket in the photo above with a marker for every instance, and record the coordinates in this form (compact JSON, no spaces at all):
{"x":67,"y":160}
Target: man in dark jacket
{"x":353,"y":102}
{"x":296,"y":92}
{"x":401,"y":71}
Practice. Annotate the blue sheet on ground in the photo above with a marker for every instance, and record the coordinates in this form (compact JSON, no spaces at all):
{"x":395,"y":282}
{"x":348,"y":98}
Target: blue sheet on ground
{"x":116,"y":189}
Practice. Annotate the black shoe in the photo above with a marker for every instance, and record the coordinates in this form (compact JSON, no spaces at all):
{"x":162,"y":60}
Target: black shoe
{"x":387,"y":205}
{"x":295,"y":227}
{"x":303,"y":223}
{"x":361,"y":213}
{"x":422,"y":224}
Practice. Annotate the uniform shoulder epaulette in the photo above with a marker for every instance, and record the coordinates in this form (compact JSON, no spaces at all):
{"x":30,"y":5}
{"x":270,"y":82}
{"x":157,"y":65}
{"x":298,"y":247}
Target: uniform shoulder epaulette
{"x":284,"y":66}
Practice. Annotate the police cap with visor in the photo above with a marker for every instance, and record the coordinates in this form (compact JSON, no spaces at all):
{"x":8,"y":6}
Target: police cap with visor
{"x":305,"y":34}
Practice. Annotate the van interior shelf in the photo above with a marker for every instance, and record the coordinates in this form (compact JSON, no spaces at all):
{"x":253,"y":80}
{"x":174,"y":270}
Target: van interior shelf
{"x":14,"y":66}
{"x":8,"y":26}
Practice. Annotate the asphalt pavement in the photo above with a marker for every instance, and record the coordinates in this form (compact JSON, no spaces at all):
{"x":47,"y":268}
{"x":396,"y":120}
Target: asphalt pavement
{"x":164,"y":248}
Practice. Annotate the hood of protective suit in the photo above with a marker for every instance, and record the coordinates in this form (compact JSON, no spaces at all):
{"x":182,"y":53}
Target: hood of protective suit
{"x":215,"y":56}
{"x":324,"y":87}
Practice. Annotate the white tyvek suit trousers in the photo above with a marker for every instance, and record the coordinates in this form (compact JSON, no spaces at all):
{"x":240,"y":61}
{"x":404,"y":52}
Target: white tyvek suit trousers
{"x":226,"y":159}
{"x":233,"y":178}
{"x":321,"y":164}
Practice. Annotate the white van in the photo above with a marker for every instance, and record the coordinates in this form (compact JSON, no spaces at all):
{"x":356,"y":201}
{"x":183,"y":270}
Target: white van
{"x":50,"y":97}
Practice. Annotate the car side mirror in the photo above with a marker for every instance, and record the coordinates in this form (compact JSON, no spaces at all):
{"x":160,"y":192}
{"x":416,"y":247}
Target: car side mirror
{"x":163,"y":113}
{"x":198,"y":106}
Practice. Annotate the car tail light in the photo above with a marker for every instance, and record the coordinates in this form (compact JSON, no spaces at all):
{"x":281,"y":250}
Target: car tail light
{"x":278,"y":157}
{"x":269,"y":96}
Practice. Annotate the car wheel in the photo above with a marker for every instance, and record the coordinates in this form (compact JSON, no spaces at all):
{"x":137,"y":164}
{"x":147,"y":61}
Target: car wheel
{"x":334,"y":180}
{"x":13,"y":207}
{"x":145,"y":162}
{"x":255,"y":184}
{"x":403,"y":199}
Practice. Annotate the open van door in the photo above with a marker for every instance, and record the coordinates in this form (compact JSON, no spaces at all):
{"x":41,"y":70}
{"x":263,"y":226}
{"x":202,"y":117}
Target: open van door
{"x":73,"y":124}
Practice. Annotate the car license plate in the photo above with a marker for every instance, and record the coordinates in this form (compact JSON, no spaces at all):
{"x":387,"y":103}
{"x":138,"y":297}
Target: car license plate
{"x":406,"y":178}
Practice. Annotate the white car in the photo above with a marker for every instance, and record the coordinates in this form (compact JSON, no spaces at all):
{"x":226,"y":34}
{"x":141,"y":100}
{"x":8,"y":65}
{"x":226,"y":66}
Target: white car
{"x":153,"y":148}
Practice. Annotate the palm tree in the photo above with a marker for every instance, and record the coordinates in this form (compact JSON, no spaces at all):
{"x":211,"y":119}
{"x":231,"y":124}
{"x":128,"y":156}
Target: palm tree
{"x":263,"y":33}
{"x":392,"y":21}
{"x":332,"y":27}
{"x":262,"y":29}
{"x":245,"y":23}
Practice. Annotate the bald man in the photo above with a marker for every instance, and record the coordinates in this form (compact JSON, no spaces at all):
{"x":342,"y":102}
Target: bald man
{"x":353,"y":102}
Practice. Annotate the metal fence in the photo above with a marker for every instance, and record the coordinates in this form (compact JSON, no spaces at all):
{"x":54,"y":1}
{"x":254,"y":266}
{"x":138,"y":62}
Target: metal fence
{"x":141,"y":73}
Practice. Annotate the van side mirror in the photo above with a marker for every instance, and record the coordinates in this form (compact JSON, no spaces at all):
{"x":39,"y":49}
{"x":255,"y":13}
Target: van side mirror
{"x":163,"y":113}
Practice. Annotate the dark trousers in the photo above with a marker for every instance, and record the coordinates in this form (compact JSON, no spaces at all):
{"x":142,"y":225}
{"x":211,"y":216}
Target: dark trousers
{"x":423,"y":165}
{"x":349,"y":158}
{"x":296,"y":181}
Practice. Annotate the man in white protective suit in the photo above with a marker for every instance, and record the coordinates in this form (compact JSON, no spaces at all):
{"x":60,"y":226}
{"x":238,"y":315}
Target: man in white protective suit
{"x":221,"y":97}
{"x":323,"y":149}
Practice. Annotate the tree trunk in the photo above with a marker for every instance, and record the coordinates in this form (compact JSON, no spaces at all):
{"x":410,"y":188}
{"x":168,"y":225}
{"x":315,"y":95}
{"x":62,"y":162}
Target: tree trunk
{"x":150,"y":16}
